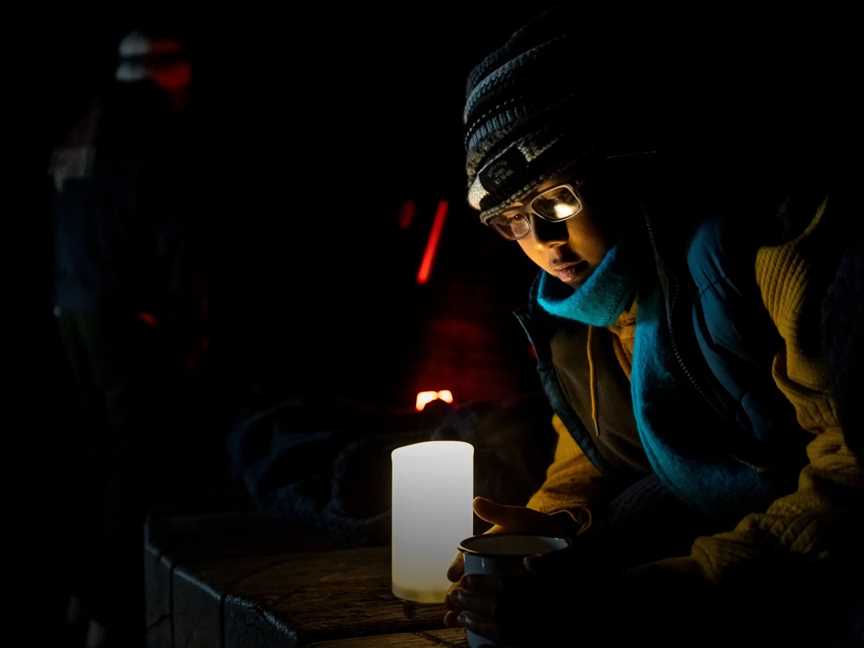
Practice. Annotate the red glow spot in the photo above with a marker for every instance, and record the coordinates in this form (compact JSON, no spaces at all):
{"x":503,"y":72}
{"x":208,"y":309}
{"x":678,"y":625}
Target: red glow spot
{"x":407,"y":213}
{"x":149,"y":319}
{"x":165,"y":46}
{"x":432,"y":243}
{"x":173,"y":76}
{"x":426,"y":397}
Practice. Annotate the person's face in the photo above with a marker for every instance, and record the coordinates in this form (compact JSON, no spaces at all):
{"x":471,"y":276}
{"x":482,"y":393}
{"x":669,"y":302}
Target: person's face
{"x":569,"y":250}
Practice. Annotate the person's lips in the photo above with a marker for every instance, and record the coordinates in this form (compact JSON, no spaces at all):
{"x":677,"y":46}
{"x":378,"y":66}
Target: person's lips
{"x":569,"y":272}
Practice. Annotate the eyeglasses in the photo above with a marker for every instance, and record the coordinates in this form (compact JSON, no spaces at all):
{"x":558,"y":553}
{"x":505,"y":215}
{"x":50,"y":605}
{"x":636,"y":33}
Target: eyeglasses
{"x":554,"y":205}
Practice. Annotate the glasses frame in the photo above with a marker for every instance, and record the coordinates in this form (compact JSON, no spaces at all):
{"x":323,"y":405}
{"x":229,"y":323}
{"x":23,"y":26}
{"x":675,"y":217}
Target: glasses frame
{"x":535,"y":212}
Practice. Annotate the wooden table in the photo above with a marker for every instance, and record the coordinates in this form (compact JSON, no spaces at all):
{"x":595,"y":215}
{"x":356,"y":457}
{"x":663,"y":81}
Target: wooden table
{"x":242,"y":581}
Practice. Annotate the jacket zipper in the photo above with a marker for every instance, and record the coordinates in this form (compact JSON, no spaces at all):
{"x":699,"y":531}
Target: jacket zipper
{"x":676,"y":352}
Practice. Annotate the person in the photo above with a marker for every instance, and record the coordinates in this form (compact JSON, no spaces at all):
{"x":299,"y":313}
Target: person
{"x":700,"y":469}
{"x":119,"y":213}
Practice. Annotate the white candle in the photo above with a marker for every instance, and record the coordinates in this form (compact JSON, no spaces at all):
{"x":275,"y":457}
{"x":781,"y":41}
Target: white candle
{"x":433,"y":485}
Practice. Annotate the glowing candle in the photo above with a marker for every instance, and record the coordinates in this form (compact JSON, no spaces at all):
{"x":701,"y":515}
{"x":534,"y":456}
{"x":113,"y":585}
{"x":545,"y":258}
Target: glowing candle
{"x":433,"y":485}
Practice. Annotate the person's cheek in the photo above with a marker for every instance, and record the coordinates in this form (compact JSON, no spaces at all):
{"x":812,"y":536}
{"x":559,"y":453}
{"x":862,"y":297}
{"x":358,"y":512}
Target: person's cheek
{"x":530,"y":250}
{"x":589,"y":241}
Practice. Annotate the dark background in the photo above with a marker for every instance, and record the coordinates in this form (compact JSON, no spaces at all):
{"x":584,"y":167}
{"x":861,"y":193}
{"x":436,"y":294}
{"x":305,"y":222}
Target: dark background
{"x":313,"y":131}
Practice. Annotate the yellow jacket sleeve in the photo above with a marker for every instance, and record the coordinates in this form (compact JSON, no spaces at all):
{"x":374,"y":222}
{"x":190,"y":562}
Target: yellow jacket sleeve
{"x":571,"y":482}
{"x":830,"y":490}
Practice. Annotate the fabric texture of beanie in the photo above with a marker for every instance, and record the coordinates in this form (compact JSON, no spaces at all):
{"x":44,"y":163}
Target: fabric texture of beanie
{"x":533,"y":107}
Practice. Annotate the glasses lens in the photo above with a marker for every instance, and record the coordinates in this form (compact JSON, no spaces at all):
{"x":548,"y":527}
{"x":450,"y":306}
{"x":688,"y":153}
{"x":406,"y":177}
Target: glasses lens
{"x":511,"y":226}
{"x":557,"y":204}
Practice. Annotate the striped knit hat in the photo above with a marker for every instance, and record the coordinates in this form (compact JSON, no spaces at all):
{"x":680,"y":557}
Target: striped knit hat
{"x":532,"y":109}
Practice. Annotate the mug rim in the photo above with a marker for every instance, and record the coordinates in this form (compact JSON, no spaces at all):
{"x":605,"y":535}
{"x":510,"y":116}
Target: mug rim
{"x":476,"y":552}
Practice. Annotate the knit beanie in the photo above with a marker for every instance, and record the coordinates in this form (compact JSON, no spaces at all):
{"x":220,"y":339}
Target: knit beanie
{"x":535,"y":106}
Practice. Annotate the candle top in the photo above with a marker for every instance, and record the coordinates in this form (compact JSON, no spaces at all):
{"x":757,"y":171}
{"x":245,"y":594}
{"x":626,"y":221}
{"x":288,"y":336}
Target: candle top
{"x":433,"y":449}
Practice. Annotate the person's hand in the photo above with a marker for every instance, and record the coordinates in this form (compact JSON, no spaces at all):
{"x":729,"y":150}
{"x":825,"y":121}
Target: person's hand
{"x":520,"y":519}
{"x":517,"y":609}
{"x":537,"y":608}
{"x":474,"y":601}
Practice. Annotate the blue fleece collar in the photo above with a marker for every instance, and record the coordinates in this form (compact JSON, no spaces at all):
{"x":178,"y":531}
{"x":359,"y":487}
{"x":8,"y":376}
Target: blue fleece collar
{"x":607,"y":292}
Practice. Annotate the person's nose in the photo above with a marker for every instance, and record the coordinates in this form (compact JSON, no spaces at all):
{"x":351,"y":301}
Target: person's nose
{"x":548,"y":234}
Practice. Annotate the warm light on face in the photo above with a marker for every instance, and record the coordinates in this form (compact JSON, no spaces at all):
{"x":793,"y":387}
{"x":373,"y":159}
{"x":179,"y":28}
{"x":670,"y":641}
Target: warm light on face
{"x":433,"y":486}
{"x":426,"y":397}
